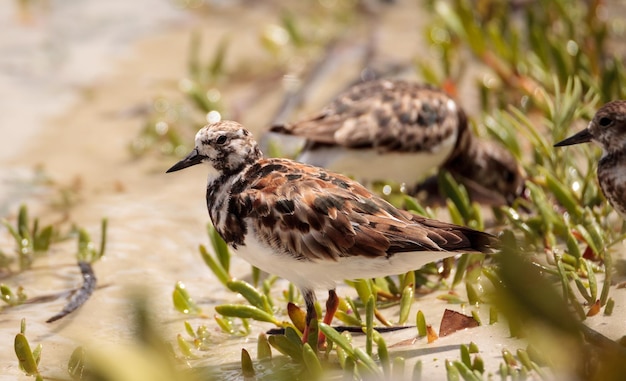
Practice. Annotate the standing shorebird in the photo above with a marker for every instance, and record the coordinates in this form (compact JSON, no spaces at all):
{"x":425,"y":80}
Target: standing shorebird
{"x":398,"y":130}
{"x":608,"y":129}
{"x":310,"y":226}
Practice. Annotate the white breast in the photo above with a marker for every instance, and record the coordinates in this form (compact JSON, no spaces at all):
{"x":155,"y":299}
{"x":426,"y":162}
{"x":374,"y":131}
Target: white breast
{"x":325,"y":274}
{"x":369,"y":165}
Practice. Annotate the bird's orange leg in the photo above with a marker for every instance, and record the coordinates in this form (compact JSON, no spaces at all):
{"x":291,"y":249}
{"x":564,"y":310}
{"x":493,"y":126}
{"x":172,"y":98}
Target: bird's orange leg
{"x":331,"y":308}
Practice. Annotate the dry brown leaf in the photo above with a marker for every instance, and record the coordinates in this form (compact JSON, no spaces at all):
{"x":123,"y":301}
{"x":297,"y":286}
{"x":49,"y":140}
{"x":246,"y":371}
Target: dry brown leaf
{"x":453,"y":321}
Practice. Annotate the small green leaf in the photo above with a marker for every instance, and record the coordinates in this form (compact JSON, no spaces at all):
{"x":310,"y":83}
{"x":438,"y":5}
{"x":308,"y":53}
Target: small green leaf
{"x":472,"y":347}
{"x":7,"y":295}
{"x":103,"y":237}
{"x":508,"y":358}
{"x":522,"y":355}
{"x":452,"y":372}
{"x":608,"y":271}
{"x":411,"y":204}
{"x":465,"y":355}
{"x":250,"y":293}
{"x":189,"y":329}
{"x":354,"y":309}
{"x":610,"y":304}
{"x":363,"y":289}
{"x":455,"y":215}
{"x":349,"y":368}
{"x":348,"y":319}
{"x":247,"y":368}
{"x":287,"y":347}
{"x":493,"y":315}
{"x":457,"y":194}
{"x":264,"y":351}
{"x":368,"y":361}
{"x":225,"y":324}
{"x":398,"y":369}
{"x":313,"y":334}
{"x":338,"y":339}
{"x":42,"y":240}
{"x":591,"y":277}
{"x":383,"y":355}
{"x":405,"y":304}
{"x":472,"y":294}
{"x":292,"y":334}
{"x":312,"y":363}
{"x":465,"y":371}
{"x":183,"y":301}
{"x":24,"y":355}
{"x":22,"y":221}
{"x":16,"y":235}
{"x":451,"y":298}
{"x":476,"y":317}
{"x":256,"y":276}
{"x":408,"y":280}
{"x":184,"y":347}
{"x":421,"y":324}
{"x":76,"y":364}
{"x":478,"y":364}
{"x":84,"y":243}
{"x":460,"y":269}
{"x":219,"y":271}
{"x":563,"y":195}
{"x":417,"y":371}
{"x":37,"y":353}
{"x":246,"y":312}
{"x":583,"y":289}
{"x":219,"y":247}
{"x":369,"y":324}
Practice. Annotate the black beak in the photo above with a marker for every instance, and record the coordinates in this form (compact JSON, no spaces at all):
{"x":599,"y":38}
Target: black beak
{"x":192,"y":159}
{"x":583,"y":136}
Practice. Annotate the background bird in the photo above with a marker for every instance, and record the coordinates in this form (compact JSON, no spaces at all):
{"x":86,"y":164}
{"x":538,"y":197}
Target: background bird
{"x":400,"y":131}
{"x":608,"y":129}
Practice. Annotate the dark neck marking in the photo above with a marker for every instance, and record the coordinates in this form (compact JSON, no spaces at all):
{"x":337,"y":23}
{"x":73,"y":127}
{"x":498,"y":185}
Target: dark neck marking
{"x":231,"y":227}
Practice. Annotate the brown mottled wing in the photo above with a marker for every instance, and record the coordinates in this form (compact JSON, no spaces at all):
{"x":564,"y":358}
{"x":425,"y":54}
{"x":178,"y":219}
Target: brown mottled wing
{"x":307,"y":212}
{"x":385,"y":114}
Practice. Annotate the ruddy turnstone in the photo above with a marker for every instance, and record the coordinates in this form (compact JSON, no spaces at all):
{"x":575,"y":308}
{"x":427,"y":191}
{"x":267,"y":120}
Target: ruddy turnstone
{"x":310,"y":226}
{"x":608,"y":129}
{"x":399,"y":131}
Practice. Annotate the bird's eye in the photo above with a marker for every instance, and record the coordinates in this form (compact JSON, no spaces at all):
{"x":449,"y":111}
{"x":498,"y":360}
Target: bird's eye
{"x":604,"y":121}
{"x":221,"y":139}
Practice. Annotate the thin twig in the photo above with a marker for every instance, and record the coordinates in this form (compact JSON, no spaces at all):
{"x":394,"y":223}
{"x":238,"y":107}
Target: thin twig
{"x":350,"y":328}
{"x":82,"y":294}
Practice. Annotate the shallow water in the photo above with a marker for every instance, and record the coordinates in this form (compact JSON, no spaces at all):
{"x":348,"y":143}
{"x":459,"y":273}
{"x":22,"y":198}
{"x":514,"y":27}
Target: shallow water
{"x":86,"y":80}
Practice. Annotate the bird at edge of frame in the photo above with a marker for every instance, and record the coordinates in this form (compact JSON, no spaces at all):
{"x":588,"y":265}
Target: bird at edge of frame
{"x":608,"y":129}
{"x":400,"y":131}
{"x":311,"y":226}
